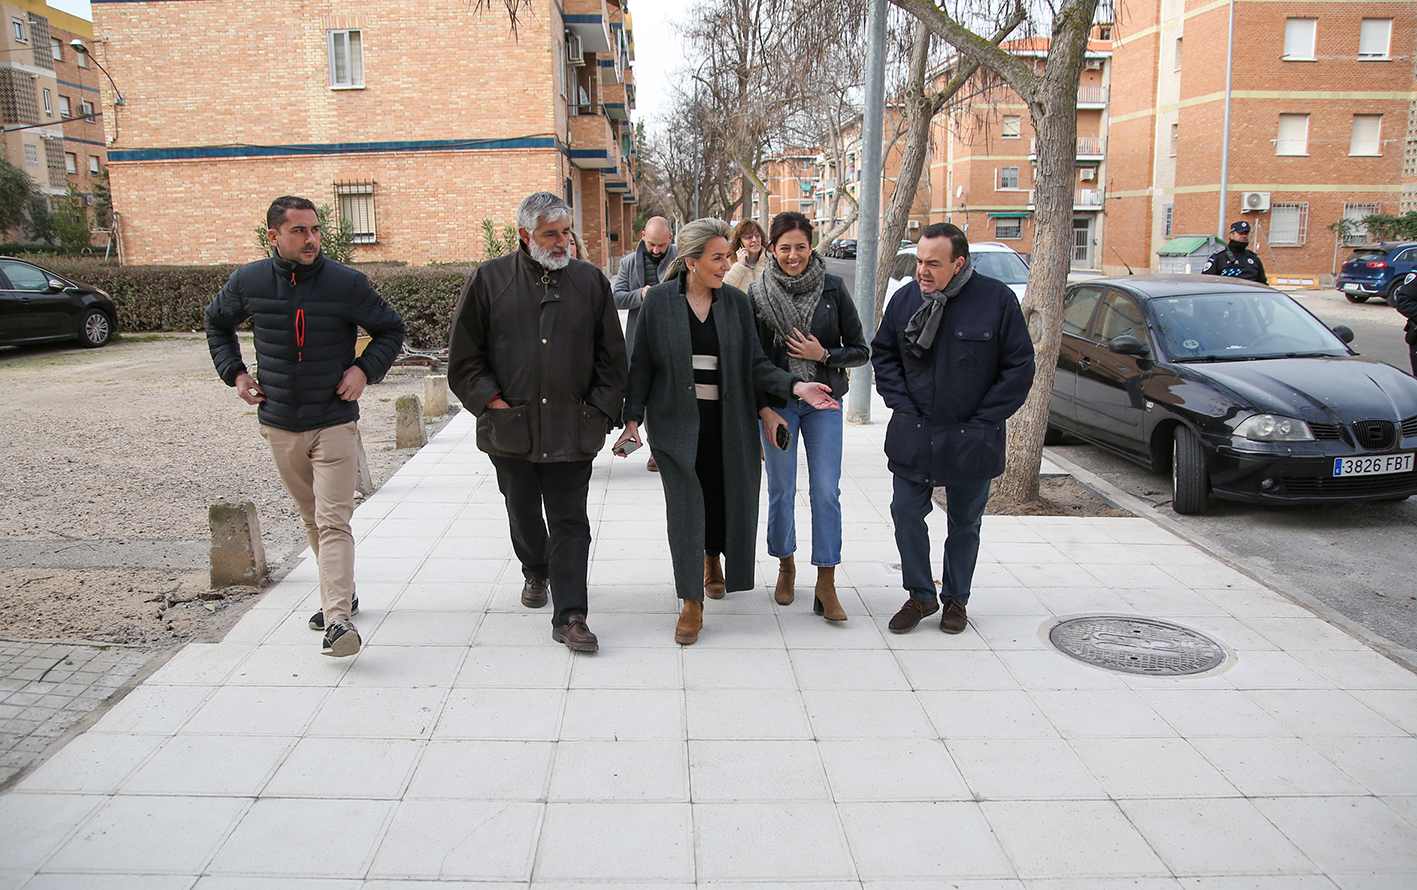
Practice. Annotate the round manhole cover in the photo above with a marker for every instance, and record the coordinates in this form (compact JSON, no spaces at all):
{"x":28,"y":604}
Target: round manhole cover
{"x":1137,"y":645}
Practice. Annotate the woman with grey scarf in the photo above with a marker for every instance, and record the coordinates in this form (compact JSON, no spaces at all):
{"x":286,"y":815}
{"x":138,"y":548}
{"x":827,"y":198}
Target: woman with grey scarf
{"x":809,"y":327}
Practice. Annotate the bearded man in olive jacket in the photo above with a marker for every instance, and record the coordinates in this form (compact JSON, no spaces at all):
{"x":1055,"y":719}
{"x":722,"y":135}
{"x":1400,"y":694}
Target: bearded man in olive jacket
{"x":537,"y":355}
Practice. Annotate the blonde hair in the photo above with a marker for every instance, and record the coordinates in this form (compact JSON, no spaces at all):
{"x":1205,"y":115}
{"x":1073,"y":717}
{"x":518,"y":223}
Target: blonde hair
{"x":692,"y":240}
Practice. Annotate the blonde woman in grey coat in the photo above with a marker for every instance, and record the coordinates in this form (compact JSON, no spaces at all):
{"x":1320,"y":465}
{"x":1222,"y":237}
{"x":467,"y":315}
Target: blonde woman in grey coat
{"x":694,"y":377}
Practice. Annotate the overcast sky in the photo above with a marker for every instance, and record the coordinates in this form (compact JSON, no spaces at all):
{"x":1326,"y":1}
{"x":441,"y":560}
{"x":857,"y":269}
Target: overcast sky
{"x":79,"y":8}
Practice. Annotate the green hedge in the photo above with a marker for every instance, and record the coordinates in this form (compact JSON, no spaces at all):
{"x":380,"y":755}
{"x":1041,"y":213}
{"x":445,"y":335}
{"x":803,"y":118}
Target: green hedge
{"x":172,"y":298}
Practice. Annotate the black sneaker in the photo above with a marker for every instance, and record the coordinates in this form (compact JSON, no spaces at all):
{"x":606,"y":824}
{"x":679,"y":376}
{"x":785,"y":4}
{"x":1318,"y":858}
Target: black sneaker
{"x":341,"y":640}
{"x":317,"y":621}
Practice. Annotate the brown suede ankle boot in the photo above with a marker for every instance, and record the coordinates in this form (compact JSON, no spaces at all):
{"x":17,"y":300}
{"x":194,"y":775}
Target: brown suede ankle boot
{"x":714,"y":585}
{"x":786,"y":577}
{"x":691,"y":621}
{"x":826,"y":604}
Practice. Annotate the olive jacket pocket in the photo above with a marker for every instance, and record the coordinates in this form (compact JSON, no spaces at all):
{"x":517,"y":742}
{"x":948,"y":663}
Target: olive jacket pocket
{"x":504,"y":430}
{"x":593,"y":427}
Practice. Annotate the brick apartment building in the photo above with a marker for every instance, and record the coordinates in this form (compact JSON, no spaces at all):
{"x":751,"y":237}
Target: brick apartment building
{"x":1321,"y":110}
{"x":848,"y":178}
{"x":414,"y":120}
{"x":48,"y":99}
{"x":792,"y":179}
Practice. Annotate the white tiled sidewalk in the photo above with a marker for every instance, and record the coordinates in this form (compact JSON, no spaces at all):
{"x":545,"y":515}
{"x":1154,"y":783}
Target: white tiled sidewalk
{"x":464,"y":747}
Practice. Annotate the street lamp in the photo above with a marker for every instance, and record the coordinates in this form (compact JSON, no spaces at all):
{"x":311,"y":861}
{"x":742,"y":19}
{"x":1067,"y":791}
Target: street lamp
{"x":79,"y":47}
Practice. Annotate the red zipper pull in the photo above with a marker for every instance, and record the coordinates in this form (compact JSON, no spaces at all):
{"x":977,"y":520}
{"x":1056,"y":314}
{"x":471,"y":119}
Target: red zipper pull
{"x":299,"y":334}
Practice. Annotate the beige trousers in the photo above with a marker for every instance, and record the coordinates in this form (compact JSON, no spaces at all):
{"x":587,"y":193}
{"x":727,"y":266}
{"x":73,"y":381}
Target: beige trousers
{"x":320,"y":470}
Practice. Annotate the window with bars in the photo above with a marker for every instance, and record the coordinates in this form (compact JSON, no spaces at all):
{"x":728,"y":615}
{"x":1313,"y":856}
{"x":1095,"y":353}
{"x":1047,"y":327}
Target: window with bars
{"x":1168,"y":219}
{"x":1008,"y":177}
{"x":1288,"y":224}
{"x":1355,"y":214}
{"x":1008,"y":229}
{"x":346,"y":59}
{"x":356,"y":204}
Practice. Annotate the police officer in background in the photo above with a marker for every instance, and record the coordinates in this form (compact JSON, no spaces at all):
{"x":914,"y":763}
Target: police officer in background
{"x":1406,"y":301}
{"x":1236,"y":260}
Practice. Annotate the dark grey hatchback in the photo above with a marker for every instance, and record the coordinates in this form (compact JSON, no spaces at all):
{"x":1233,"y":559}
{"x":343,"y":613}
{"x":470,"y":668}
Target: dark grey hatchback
{"x":37,"y":305}
{"x":1234,"y":388}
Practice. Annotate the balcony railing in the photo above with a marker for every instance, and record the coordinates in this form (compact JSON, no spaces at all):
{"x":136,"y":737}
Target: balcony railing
{"x":1087,"y":147}
{"x":1092,"y":94}
{"x":1082,"y":198}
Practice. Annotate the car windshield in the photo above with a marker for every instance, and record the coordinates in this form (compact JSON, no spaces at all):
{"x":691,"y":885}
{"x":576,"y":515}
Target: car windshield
{"x":1224,"y":327}
{"x":1006,"y":267}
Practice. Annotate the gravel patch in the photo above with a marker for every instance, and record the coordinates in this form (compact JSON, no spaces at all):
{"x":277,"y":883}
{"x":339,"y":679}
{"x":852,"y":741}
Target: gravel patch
{"x":109,"y":461}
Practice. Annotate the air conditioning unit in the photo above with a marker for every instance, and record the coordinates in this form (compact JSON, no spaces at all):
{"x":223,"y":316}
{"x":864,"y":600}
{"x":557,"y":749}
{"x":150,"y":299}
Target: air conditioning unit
{"x":575,"y":52}
{"x":1094,"y":64}
{"x":1087,"y":174}
{"x":1254,"y":201}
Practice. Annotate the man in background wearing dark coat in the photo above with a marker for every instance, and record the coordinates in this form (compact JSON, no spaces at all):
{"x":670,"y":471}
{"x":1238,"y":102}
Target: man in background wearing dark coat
{"x":536,"y":353}
{"x":640,"y":270}
{"x":953,"y":361}
{"x":306,"y":311}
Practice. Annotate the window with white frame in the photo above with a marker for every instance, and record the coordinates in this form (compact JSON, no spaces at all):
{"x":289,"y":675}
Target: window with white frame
{"x":65,"y":109}
{"x":48,"y":103}
{"x":93,"y":164}
{"x":1008,"y":177}
{"x":356,"y":204}
{"x":1293,"y":138}
{"x":1008,"y":229}
{"x":81,"y":59}
{"x":1178,"y":54}
{"x":1288,"y":224}
{"x":86,"y":109}
{"x":31,"y":156}
{"x":56,"y":49}
{"x":1299,"y":39}
{"x":346,"y":59}
{"x":1374,"y":38}
{"x":1367,"y":135}
{"x":1355,"y":214}
{"x":1175,"y":139}
{"x":1011,"y":126}
{"x":71,"y":162}
{"x":1168,"y":219}
{"x":17,"y":27}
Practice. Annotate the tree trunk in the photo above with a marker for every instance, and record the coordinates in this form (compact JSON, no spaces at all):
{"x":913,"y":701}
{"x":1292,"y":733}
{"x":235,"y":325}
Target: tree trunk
{"x":1054,"y":114}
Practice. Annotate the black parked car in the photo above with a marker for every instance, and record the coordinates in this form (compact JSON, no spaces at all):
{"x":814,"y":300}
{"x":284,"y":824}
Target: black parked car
{"x":846,"y":249}
{"x":1234,"y":388}
{"x":37,"y":305}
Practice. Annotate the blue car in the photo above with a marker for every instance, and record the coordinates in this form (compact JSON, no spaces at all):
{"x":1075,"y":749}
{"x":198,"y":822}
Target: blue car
{"x":1376,"y":270}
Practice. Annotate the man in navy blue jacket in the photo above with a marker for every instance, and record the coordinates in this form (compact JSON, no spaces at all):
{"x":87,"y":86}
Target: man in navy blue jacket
{"x":953,"y":361}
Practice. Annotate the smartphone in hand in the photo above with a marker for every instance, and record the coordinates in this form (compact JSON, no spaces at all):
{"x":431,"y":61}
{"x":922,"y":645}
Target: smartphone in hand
{"x":784,"y":438}
{"x":626,"y":447}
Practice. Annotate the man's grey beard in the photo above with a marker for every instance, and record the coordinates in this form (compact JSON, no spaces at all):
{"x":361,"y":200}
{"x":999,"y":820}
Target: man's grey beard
{"x":548,"y":259}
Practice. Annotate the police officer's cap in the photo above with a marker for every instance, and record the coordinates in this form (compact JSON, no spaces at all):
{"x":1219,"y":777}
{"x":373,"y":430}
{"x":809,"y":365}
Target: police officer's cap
{"x":1242,"y":227}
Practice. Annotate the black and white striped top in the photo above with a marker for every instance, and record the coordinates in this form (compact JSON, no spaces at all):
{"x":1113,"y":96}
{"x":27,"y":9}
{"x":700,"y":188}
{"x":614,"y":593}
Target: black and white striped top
{"x":703,"y":339}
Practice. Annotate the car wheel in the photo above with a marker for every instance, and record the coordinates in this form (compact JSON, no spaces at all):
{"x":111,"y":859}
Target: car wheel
{"x":1190,"y":480}
{"x":1052,"y":436}
{"x":96,"y":328}
{"x":1355,"y":298}
{"x":1391,"y":295}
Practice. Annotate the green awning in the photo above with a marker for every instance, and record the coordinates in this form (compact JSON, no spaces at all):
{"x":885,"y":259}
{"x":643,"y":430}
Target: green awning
{"x":1012,"y":214}
{"x":1185,"y":245}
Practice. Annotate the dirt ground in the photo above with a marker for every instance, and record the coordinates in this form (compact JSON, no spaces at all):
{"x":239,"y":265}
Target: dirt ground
{"x":110,"y":459}
{"x":108,"y":463}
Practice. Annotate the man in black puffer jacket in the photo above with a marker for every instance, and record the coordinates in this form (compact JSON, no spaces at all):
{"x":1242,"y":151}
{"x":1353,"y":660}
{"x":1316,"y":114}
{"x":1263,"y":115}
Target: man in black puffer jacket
{"x":305,"y":312}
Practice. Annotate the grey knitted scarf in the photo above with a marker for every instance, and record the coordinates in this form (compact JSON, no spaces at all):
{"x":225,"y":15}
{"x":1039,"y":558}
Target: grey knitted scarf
{"x":925,"y":323}
{"x":785,"y":302}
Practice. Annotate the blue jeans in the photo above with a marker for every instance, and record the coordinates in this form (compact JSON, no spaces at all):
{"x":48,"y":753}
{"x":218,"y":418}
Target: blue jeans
{"x":964,"y":511}
{"x":821,"y":432}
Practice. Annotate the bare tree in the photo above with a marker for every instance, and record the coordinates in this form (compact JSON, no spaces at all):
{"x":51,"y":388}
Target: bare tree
{"x":1050,"y":91}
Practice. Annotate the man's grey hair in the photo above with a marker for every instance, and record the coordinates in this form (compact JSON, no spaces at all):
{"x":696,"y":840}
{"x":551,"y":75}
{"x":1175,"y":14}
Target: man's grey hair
{"x":539,"y":207}
{"x":693,"y":239}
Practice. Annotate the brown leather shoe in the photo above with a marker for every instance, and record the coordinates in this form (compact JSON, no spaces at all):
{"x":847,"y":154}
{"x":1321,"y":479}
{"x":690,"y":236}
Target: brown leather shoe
{"x":911,"y":613}
{"x":652,"y":466}
{"x":714,"y":586}
{"x":534,"y":592}
{"x":953,"y":620}
{"x":576,"y":635}
{"x":691,"y":621}
{"x":825,"y":603}
{"x":786,"y":578}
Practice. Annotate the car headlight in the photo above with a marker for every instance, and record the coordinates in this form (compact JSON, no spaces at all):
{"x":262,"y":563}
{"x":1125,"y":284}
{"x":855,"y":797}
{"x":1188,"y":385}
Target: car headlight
{"x":1274,"y":428}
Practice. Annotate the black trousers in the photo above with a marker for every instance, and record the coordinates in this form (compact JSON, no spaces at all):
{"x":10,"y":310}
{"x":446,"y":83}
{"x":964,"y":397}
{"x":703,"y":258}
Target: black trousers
{"x":708,"y":466}
{"x":546,"y":507}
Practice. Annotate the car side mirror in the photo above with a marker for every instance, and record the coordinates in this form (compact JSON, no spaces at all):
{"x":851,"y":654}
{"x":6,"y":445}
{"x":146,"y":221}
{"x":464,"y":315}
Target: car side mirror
{"x":1344,"y":332}
{"x":55,"y":286}
{"x":1128,"y":345}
